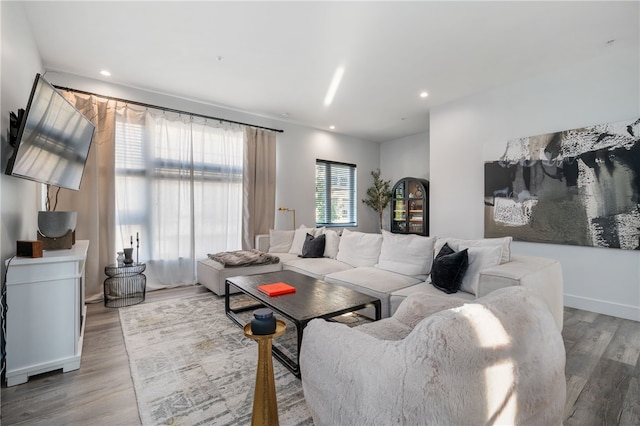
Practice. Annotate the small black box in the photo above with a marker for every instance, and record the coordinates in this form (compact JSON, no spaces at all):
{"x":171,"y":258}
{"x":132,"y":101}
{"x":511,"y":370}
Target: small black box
{"x":29,"y":248}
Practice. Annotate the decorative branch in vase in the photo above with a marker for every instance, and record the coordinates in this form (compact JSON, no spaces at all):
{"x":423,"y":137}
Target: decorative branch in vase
{"x":48,"y":201}
{"x":378,"y":195}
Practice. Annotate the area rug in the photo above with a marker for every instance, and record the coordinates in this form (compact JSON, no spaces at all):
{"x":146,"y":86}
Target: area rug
{"x":191,"y":365}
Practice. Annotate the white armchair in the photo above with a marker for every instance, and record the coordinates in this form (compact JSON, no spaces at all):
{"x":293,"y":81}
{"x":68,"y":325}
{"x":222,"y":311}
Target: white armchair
{"x":496,"y":359}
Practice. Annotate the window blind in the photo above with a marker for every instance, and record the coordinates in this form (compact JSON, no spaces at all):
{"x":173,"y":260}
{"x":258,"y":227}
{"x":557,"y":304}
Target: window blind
{"x":335,"y":194}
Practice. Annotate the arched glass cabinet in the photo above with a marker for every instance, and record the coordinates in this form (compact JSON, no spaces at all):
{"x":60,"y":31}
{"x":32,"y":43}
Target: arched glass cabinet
{"x":410,"y":206}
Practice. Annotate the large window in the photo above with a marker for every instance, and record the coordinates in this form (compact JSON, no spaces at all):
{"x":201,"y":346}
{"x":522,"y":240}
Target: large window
{"x":335,"y":194}
{"x":179,"y":185}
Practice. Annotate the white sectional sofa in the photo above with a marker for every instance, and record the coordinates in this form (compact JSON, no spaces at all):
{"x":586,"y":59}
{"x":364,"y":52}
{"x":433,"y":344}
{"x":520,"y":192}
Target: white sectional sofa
{"x":393,"y":266}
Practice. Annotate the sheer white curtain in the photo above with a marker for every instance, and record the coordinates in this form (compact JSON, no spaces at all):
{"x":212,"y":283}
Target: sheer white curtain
{"x":179,"y":188}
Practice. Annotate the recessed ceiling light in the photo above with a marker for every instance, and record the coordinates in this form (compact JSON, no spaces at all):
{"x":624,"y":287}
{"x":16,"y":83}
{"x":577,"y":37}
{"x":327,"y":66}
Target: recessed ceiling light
{"x":105,"y":73}
{"x":423,"y":94}
{"x":332,"y":127}
{"x":284,"y":115}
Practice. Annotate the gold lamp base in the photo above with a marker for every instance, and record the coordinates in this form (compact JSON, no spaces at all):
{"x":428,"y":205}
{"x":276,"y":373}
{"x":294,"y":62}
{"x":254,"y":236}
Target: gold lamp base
{"x":265,"y":406}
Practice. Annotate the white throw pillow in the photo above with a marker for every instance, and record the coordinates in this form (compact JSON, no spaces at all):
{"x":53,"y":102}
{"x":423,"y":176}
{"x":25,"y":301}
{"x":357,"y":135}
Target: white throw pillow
{"x":480,"y":258}
{"x":332,"y":243}
{"x":406,"y":254}
{"x":359,"y":248}
{"x":280,"y":241}
{"x":458,"y":244}
{"x":299,"y":238}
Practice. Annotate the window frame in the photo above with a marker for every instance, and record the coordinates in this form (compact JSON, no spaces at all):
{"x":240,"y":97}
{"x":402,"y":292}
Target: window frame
{"x":353,"y":190}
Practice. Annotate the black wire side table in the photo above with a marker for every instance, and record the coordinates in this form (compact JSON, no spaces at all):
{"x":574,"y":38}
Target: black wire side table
{"x":126,"y":285}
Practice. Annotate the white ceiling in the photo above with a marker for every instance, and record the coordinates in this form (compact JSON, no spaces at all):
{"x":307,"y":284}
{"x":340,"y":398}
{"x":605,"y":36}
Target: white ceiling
{"x":279,"y":57}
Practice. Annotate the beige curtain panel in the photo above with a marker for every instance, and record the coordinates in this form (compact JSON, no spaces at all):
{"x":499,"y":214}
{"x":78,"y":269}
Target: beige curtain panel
{"x":258,"y":184}
{"x":95,"y":201}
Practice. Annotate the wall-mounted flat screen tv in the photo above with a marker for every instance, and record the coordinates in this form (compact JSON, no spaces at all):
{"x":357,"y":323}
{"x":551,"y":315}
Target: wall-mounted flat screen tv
{"x":52,"y":140}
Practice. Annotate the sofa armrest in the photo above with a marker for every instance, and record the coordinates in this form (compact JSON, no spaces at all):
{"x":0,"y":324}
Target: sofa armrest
{"x":543,"y":275}
{"x":262,"y":242}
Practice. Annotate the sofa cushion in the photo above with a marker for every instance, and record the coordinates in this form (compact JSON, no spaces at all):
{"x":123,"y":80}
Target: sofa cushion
{"x":313,"y":246}
{"x":299,"y":237}
{"x":420,"y":305}
{"x":397,"y":296}
{"x":406,"y":254}
{"x":286,"y":257}
{"x":280,"y":241}
{"x":458,"y":244}
{"x":316,"y":268}
{"x":359,"y":248}
{"x":386,"y":329}
{"x":479,"y":258}
{"x":449,"y":268}
{"x":332,"y":243}
{"x":411,"y":311}
{"x":372,"y":281}
{"x":213,"y":275}
{"x":372,"y":278}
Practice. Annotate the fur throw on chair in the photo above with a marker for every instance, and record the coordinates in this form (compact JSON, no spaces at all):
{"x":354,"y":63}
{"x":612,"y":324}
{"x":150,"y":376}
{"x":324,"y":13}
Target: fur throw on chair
{"x":495,"y":360}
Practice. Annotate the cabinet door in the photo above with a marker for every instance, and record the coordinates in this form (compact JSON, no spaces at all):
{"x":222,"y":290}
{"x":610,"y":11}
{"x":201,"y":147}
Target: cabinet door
{"x":41,"y":323}
{"x":410,"y":207}
{"x":399,"y":209}
{"x":416,"y":216}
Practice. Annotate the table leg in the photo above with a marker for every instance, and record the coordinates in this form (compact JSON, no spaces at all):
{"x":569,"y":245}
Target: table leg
{"x":265,"y":405}
{"x":378,"y":306}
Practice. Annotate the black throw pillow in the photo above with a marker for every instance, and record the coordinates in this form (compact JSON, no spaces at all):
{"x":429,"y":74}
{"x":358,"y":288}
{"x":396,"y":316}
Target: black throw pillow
{"x":449,"y":268}
{"x":313,"y":246}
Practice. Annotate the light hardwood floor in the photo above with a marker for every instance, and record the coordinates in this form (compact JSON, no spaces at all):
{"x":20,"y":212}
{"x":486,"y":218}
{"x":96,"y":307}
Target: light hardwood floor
{"x":603,"y":374}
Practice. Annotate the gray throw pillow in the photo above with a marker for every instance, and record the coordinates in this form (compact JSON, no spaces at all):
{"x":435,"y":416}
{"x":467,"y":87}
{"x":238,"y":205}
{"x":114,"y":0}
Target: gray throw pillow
{"x":313,"y":246}
{"x":449,"y":268}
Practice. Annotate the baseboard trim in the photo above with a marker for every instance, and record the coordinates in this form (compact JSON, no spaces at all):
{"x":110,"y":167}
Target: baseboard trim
{"x":603,"y":307}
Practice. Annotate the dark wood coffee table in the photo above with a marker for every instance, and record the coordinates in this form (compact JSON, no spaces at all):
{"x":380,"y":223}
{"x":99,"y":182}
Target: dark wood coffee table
{"x":313,"y":299}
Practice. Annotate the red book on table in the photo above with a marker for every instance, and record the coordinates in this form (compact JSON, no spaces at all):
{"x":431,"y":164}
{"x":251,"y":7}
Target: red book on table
{"x":276,"y":289}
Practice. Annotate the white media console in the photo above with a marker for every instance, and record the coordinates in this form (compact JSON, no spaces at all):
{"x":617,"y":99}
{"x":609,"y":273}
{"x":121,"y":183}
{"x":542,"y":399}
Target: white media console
{"x":45,"y":312}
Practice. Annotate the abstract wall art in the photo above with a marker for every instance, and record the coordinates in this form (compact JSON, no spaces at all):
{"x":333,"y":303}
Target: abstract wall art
{"x":577,"y":187}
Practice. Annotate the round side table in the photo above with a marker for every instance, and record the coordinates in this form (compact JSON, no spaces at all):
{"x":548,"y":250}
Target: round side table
{"x":125,"y":285}
{"x":265,"y":406}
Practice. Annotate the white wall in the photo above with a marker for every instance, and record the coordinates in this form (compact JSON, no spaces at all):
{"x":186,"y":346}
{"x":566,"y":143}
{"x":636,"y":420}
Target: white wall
{"x":20,"y":62}
{"x":405,"y":157}
{"x":297,"y":149}
{"x":470,"y":131}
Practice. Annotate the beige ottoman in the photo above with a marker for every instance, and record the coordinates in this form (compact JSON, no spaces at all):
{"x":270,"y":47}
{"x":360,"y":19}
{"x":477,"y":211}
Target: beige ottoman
{"x":212,"y":274}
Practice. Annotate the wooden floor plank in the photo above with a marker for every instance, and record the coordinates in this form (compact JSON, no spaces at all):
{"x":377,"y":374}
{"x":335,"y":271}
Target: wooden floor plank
{"x":586,"y":353}
{"x":603,"y":397}
{"x":602,"y":370}
{"x":625,"y":345}
{"x":631,"y":408}
{"x":575,"y":385}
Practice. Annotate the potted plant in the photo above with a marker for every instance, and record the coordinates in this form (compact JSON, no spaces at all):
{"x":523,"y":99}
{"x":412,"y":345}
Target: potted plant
{"x":378,"y":195}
